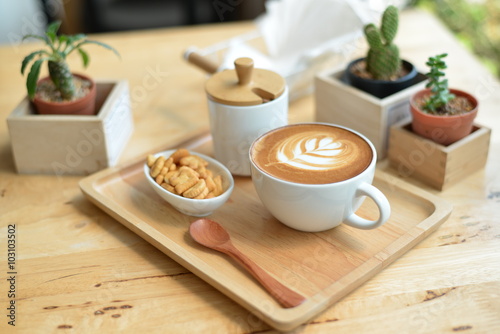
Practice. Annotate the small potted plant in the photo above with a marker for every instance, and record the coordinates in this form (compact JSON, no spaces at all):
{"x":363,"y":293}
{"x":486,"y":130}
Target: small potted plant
{"x":370,"y":103}
{"x":62,"y":92}
{"x":47,"y":138}
{"x":441,"y":114}
{"x":382,"y":72}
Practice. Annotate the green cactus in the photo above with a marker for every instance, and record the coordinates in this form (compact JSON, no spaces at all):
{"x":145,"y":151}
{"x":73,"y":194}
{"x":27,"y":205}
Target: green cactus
{"x":59,"y":48}
{"x":382,"y":60}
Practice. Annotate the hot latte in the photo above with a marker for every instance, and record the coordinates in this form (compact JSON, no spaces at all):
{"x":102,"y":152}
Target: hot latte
{"x":311,"y":153}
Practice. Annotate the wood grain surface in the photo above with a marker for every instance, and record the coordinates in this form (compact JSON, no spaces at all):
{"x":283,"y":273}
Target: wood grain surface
{"x":81,"y":271}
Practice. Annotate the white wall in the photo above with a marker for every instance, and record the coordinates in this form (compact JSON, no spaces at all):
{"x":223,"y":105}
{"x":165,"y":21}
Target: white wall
{"x":20,"y":17}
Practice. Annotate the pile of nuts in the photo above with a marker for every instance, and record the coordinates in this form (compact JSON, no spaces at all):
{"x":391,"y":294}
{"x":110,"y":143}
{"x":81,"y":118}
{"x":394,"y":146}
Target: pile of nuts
{"x":185,"y":175}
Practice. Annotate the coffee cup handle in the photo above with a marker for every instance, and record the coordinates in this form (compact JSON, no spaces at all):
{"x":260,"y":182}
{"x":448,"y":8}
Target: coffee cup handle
{"x":366,"y":189}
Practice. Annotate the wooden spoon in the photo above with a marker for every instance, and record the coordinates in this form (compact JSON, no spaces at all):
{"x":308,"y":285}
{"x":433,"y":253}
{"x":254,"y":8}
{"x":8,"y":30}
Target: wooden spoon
{"x":212,"y":235}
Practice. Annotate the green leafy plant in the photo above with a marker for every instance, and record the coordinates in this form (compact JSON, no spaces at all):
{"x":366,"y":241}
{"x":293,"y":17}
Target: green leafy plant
{"x":59,"y":47}
{"x":438,"y":85}
{"x":382,"y":60}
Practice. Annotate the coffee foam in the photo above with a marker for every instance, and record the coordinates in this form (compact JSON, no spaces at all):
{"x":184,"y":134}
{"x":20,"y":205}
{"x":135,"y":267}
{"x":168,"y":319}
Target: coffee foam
{"x":312,"y":153}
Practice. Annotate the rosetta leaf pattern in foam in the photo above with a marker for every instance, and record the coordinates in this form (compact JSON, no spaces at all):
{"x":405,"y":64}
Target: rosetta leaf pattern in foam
{"x":313,"y":152}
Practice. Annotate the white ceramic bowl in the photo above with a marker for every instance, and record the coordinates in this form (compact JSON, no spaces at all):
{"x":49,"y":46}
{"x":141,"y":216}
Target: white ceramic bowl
{"x":195,"y":207}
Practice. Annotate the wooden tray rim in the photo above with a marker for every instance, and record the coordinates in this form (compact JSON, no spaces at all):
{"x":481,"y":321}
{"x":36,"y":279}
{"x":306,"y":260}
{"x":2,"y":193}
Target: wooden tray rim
{"x":280,"y":318}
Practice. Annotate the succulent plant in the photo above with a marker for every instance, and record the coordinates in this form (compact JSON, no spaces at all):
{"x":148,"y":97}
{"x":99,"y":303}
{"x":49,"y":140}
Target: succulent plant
{"x":382,"y":60}
{"x":59,"y":47}
{"x":438,"y":85}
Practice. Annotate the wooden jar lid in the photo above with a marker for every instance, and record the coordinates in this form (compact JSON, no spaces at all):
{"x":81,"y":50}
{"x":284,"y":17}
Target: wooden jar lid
{"x":245,"y":85}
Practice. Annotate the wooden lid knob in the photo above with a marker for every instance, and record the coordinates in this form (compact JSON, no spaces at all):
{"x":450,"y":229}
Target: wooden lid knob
{"x":244,"y":69}
{"x":245,"y":85}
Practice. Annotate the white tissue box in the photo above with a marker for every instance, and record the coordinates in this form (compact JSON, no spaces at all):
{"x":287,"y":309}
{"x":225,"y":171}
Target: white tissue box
{"x":68,"y":144}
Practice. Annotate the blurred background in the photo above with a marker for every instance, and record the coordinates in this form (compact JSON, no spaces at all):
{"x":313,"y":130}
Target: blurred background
{"x":96,"y":16}
{"x":475,"y":22}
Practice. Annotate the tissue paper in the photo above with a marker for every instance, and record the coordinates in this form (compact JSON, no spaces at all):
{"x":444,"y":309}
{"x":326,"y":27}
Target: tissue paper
{"x":302,"y":37}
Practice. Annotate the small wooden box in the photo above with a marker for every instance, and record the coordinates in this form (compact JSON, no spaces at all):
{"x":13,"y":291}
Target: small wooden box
{"x":339,"y":103}
{"x":437,"y":165}
{"x":67,"y":144}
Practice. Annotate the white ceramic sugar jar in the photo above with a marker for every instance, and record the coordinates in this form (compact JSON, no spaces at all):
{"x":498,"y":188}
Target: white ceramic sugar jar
{"x":244,"y":103}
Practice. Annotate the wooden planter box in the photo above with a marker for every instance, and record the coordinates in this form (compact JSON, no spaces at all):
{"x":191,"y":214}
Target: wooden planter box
{"x":76,"y":145}
{"x":339,"y":103}
{"x":437,"y":165}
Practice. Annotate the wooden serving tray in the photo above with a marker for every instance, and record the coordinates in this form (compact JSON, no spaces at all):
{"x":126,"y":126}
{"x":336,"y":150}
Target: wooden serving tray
{"x":324,"y":266}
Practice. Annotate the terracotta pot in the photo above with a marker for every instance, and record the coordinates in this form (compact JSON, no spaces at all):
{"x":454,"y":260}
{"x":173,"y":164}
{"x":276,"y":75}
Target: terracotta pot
{"x":381,"y":88}
{"x":82,"y":106}
{"x":444,"y":130}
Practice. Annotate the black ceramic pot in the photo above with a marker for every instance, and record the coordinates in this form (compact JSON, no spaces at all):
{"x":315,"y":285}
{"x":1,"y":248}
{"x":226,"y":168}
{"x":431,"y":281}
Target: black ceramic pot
{"x":381,"y":88}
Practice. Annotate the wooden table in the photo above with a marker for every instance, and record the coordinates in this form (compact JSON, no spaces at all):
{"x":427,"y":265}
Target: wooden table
{"x":80,"y":271}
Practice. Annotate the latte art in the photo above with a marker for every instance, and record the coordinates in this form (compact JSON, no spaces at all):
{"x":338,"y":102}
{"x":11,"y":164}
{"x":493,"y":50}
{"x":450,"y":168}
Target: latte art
{"x":311,"y":153}
{"x":314,"y":152}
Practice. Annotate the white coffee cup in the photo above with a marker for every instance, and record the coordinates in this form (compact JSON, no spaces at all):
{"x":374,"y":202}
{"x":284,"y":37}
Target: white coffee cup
{"x":319,"y":207}
{"x":234,"y":128}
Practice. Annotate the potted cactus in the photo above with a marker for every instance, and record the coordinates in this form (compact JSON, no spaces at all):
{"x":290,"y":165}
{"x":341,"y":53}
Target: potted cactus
{"x":46,"y":138}
{"x":439,"y":113}
{"x":62,"y":92}
{"x":382,"y":72}
{"x":370,"y":100}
